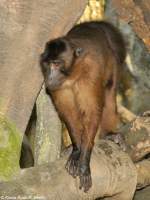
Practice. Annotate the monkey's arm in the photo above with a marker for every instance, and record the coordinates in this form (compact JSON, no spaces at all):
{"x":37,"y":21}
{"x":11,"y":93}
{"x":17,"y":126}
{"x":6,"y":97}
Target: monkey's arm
{"x":66,"y":106}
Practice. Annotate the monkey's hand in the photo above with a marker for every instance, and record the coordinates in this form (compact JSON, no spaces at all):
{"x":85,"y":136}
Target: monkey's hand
{"x":73,"y":163}
{"x":85,"y":177}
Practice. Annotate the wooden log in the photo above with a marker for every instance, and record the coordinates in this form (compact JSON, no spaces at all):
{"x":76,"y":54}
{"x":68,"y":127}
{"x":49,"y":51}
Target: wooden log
{"x":113,"y":174}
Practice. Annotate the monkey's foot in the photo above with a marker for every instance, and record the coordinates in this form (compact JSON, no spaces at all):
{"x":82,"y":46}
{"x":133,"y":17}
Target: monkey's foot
{"x":85,"y":178}
{"x":73,"y":163}
{"x":118,"y":139}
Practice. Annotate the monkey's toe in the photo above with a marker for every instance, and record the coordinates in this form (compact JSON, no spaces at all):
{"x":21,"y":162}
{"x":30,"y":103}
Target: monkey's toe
{"x":85,"y":182}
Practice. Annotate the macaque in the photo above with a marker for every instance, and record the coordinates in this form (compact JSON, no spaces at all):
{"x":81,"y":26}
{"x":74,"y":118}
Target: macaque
{"x":81,"y":75}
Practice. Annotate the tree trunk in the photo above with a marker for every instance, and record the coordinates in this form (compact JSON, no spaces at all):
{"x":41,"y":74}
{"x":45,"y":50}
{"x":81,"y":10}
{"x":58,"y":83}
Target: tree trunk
{"x":25,"y":27}
{"x":135,"y":13}
{"x":48,"y":136}
{"x":131,"y":17}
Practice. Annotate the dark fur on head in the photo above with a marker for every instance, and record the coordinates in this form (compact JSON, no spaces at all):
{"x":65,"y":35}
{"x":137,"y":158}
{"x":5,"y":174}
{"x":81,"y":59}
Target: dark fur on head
{"x":60,"y":51}
{"x":58,"y":58}
{"x":53,"y":49}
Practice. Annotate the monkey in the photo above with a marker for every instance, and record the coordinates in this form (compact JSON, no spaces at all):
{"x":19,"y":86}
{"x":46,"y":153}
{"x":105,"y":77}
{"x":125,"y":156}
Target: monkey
{"x":81,"y":73}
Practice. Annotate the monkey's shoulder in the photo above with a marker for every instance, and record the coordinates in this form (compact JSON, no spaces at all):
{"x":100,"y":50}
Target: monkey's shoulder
{"x":101,"y":35}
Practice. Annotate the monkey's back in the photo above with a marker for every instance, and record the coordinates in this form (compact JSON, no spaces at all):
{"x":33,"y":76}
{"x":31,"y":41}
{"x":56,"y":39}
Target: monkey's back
{"x":101,"y":36}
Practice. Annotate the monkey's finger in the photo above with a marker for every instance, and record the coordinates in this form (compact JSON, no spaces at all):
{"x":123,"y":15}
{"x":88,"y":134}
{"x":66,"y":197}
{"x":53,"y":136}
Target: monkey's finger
{"x":75,"y":166}
{"x":81,"y":182}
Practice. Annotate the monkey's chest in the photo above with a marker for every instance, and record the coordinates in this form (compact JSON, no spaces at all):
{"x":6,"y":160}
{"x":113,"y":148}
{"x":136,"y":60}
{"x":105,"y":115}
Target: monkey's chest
{"x":85,"y":97}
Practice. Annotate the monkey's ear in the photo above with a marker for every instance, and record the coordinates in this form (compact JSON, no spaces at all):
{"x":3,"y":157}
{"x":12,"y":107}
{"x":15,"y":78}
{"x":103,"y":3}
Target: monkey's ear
{"x":78,"y":51}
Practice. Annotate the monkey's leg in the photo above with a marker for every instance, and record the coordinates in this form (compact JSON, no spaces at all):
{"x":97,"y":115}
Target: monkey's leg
{"x":66,"y":107}
{"x":109,"y":116}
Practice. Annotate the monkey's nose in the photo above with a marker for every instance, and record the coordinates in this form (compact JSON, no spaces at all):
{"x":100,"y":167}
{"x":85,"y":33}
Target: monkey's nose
{"x":54,"y":67}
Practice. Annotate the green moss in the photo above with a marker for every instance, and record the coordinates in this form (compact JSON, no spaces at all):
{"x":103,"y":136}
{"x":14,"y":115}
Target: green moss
{"x":10,"y":145}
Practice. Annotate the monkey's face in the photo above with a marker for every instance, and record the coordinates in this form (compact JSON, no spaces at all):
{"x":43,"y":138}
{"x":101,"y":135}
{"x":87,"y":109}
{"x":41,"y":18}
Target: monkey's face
{"x":57,"y":61}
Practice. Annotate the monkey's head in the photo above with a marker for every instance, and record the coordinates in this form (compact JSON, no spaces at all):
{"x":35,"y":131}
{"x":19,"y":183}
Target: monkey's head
{"x":57,"y":61}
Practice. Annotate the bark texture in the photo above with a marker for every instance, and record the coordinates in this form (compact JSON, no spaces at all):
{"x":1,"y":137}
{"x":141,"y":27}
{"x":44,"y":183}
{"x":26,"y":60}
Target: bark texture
{"x":113,"y":174}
